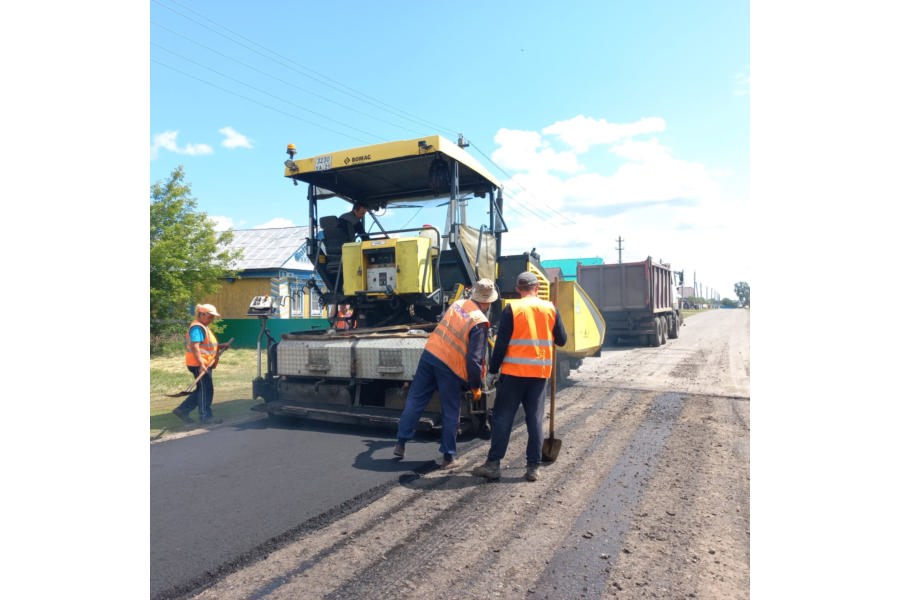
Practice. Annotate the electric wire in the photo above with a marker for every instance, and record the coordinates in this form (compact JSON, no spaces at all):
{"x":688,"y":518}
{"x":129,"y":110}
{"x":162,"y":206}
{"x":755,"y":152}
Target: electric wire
{"x":318,"y":114}
{"x":275,"y":77}
{"x":331,"y":83}
{"x":295,"y":66}
{"x":521,"y":187}
{"x":287,"y":114}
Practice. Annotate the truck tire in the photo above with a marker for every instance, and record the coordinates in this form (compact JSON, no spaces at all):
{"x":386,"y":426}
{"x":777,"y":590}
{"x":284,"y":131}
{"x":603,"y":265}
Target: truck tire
{"x":676,"y":325}
{"x":563,"y":368}
{"x":656,"y":340}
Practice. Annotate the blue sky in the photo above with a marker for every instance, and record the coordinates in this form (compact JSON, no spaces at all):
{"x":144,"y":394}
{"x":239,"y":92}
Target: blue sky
{"x":603,"y":119}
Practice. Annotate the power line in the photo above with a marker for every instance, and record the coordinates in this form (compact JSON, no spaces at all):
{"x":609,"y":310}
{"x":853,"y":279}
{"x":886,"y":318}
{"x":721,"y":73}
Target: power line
{"x":318,"y":114}
{"x":521,"y":187}
{"x":295,"y":66}
{"x":316,"y":76}
{"x":276,"y":78}
{"x":256,"y":102}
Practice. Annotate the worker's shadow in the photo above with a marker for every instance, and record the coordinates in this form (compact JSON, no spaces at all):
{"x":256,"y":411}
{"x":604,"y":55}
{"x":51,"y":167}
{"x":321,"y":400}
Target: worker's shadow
{"x":379,"y":457}
{"x":385,"y":461}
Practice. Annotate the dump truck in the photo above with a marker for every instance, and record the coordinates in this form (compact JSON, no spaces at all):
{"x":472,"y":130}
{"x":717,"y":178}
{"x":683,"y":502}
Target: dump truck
{"x":398,"y":282}
{"x":637,"y":300}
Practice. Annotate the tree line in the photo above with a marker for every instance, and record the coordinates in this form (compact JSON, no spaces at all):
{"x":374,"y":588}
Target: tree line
{"x":188,"y":258}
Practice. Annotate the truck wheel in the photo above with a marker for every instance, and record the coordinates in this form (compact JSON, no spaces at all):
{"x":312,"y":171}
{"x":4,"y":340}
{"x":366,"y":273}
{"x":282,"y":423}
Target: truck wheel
{"x":676,"y":324}
{"x":563,"y":368}
{"x":656,"y":339}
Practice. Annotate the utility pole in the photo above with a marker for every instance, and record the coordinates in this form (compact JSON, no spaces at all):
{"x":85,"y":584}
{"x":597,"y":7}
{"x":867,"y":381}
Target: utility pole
{"x":619,"y":248}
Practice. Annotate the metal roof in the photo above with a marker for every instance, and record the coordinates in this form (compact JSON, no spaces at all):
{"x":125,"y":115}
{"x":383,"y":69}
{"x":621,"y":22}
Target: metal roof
{"x":275,"y":248}
{"x":390,"y":172}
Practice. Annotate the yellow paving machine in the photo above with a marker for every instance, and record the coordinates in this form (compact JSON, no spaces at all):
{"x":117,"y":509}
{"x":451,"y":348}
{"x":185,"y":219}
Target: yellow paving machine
{"x":399,"y":281}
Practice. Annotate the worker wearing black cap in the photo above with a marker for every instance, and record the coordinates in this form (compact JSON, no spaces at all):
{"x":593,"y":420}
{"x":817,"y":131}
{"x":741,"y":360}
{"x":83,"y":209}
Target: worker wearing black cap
{"x":523,"y":357}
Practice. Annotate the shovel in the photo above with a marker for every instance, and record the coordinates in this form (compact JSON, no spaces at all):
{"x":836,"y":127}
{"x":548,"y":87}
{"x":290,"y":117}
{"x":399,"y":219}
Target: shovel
{"x":186,"y":391}
{"x":550,"y":449}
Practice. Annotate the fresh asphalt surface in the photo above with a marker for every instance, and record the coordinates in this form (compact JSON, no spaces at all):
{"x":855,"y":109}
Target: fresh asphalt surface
{"x":220,"y":496}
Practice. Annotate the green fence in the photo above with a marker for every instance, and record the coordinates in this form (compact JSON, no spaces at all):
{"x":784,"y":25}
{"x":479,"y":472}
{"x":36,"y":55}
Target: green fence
{"x":246,"y":331}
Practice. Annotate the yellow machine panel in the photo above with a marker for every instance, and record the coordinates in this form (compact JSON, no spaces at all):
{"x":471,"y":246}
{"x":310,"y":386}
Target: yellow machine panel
{"x":583,"y":322}
{"x":585,"y":326}
{"x":413,"y":265}
{"x":352,"y":267}
{"x":388,"y":266}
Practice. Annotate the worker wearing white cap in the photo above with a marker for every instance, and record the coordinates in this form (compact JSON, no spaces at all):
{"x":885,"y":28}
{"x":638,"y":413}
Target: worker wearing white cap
{"x":201,"y":356}
{"x":453,"y":361}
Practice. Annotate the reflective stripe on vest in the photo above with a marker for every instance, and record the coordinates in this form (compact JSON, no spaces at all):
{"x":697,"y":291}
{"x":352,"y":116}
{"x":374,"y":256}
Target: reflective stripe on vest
{"x":530,"y":350}
{"x":450,"y":339}
{"x":208,"y":346}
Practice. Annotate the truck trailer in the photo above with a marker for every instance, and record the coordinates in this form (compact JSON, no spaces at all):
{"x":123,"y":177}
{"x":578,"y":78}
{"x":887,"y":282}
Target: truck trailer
{"x":637,"y":300}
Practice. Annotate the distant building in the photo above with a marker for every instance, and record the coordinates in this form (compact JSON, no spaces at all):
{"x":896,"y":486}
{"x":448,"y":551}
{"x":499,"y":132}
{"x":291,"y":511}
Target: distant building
{"x":274,"y":263}
{"x":568,"y":267}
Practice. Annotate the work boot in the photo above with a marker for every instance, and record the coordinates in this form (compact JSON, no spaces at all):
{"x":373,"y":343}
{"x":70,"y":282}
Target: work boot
{"x":183,"y":416}
{"x":400,"y":450}
{"x":531,"y":472}
{"x":490,"y":469}
{"x":449,"y":462}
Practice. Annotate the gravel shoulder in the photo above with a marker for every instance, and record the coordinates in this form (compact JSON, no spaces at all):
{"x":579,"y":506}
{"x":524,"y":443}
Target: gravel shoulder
{"x":649,"y":497}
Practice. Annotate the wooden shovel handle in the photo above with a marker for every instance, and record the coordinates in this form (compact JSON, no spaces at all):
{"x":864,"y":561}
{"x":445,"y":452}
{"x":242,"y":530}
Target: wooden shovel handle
{"x":553,"y":368}
{"x":219,"y":353}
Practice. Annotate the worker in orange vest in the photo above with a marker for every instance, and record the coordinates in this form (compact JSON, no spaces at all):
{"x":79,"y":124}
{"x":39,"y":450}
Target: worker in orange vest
{"x":452,"y":362}
{"x":343,"y":317}
{"x":523,"y":356}
{"x":201,"y":356}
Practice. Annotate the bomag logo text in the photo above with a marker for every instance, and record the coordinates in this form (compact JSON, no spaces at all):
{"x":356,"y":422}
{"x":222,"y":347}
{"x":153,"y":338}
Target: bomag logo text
{"x":361,"y":158}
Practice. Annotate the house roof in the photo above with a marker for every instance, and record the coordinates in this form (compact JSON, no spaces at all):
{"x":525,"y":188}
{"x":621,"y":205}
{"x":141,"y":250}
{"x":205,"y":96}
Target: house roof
{"x":275,"y":248}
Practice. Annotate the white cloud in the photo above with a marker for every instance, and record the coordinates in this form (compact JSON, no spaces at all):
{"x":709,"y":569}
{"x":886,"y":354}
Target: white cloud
{"x":222,"y":223}
{"x":581,"y":132}
{"x":233,"y":139}
{"x":661,"y":205}
{"x":527,"y":151}
{"x":276,"y":222}
{"x":168,"y":141}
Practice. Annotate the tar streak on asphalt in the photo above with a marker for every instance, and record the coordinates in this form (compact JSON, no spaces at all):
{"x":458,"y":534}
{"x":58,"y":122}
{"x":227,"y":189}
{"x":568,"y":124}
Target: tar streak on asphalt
{"x":609,"y":513}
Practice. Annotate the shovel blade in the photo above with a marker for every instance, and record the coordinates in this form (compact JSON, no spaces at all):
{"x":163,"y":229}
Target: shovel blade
{"x":550,"y":449}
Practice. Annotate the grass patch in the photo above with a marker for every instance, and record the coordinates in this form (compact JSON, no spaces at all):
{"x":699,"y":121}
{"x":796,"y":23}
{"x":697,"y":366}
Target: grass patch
{"x":233,"y":381}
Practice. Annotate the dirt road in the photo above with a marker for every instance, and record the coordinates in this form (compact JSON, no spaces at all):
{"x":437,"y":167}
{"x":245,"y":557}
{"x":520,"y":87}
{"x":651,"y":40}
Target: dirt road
{"x":649,"y":497}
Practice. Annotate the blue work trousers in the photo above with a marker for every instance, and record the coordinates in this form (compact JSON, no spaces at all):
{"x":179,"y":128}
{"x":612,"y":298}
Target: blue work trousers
{"x":512,"y":391}
{"x":202,"y":396}
{"x":432,"y":374}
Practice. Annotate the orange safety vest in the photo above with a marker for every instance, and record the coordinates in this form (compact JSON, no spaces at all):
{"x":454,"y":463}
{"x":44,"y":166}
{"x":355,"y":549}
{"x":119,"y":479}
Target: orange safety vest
{"x":208,"y":347}
{"x":450,"y":339}
{"x":341,"y":320}
{"x":530,"y":350}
